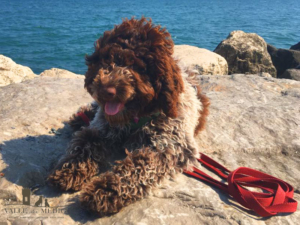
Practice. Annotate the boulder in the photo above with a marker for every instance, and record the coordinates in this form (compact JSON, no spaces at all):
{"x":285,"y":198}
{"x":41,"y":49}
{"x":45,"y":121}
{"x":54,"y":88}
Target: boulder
{"x":201,"y":60}
{"x":11,"y":72}
{"x":246,"y":53}
{"x":293,"y":74}
{"x":296,"y":47}
{"x":60,"y":73}
{"x":253,"y":122}
{"x":284,"y":59}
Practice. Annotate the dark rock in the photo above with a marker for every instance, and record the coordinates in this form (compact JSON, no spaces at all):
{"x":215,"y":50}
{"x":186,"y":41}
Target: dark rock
{"x":293,"y":74}
{"x":296,"y":46}
{"x":246,"y":53}
{"x":284,"y":59}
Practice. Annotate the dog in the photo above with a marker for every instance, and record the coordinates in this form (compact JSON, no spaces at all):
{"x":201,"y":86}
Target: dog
{"x":46,"y":203}
{"x":39,"y":202}
{"x":145,"y":105}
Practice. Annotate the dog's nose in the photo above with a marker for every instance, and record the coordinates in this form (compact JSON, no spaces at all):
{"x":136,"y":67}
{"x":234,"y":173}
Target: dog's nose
{"x":111,"y":91}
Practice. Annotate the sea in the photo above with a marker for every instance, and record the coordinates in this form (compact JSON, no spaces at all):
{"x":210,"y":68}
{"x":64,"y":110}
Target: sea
{"x":43,"y":34}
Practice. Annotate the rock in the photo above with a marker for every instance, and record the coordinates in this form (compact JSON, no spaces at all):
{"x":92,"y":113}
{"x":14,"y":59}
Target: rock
{"x":263,"y":74}
{"x":283,"y":59}
{"x":296,"y":47}
{"x":246,"y":53}
{"x":253,"y":122}
{"x":60,"y":73}
{"x":201,"y":60}
{"x":293,"y":74}
{"x":10,"y":72}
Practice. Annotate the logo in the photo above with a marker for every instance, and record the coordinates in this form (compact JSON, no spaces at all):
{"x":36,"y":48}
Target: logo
{"x":26,"y":199}
{"x":31,"y":207}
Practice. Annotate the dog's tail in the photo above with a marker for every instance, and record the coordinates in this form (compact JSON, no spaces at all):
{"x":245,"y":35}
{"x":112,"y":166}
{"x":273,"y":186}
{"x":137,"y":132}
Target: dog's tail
{"x":204,"y":112}
{"x":193,"y":79}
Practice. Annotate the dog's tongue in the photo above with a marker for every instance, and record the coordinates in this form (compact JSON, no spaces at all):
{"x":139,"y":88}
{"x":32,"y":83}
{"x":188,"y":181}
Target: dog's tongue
{"x":112,"y":108}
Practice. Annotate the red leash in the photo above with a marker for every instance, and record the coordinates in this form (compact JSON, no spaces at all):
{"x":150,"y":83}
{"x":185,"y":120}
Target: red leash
{"x":277,"y":196}
{"x":84,"y":117}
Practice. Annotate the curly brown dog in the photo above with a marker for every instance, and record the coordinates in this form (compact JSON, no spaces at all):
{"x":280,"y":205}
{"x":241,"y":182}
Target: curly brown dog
{"x":144,"y":105}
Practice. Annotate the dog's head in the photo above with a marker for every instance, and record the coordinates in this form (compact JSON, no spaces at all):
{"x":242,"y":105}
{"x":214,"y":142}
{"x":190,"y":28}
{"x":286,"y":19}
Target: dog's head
{"x":132,"y":72}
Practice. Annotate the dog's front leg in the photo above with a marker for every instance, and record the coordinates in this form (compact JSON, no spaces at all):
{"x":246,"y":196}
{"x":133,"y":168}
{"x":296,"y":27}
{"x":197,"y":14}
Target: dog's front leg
{"x":130,"y":180}
{"x":81,"y":162}
{"x":84,"y":115}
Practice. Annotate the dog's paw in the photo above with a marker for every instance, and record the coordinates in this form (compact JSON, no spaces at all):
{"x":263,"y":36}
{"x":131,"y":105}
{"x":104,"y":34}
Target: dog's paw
{"x":103,"y":195}
{"x":72,"y":173}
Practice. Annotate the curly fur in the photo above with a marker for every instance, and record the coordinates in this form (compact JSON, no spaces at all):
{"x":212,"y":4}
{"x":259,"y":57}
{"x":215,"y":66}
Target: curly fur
{"x":146,"y":50}
{"x":132,"y":67}
{"x":130,"y":180}
{"x":84,"y":156}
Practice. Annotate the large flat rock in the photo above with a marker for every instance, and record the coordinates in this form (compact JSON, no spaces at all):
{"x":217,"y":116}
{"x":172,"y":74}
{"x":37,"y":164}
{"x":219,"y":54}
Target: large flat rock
{"x":254,"y":122}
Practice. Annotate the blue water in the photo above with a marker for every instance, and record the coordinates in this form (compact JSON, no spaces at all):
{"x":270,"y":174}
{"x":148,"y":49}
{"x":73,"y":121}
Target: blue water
{"x":43,"y":34}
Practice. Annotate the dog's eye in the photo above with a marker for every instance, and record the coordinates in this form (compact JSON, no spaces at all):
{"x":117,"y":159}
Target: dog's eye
{"x":112,"y":66}
{"x":127,"y":73}
{"x":106,"y":72}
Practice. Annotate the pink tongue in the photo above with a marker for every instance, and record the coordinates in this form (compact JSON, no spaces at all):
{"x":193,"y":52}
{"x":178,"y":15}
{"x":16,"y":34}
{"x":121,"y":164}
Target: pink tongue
{"x":112,"y":108}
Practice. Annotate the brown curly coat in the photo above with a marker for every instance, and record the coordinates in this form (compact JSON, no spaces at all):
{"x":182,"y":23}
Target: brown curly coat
{"x":132,"y":74}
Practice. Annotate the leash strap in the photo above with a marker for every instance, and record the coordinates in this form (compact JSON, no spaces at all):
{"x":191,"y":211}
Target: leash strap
{"x":84,"y":117}
{"x":277,"y":195}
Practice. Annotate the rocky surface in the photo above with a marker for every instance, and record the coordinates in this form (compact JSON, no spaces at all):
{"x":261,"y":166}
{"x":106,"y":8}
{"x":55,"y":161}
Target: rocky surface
{"x":246,"y":53}
{"x":201,"y":60}
{"x":60,"y":73}
{"x":10,"y":72}
{"x":296,"y":46}
{"x":293,"y":74}
{"x":284,"y":59}
{"x":254,"y":122}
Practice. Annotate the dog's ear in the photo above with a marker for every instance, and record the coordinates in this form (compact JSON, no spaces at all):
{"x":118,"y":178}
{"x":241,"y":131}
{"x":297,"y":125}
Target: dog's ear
{"x":169,"y":85}
{"x":164,"y":71}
